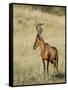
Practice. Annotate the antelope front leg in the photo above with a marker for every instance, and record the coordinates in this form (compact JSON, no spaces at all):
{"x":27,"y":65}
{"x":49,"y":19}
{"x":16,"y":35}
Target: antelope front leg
{"x":48,"y":69}
{"x":43,"y":67}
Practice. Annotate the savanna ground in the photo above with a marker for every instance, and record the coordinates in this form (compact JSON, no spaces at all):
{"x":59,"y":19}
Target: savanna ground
{"x":28,"y":66}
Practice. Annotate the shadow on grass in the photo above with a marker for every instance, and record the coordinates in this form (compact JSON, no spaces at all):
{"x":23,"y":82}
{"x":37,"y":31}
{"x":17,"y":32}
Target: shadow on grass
{"x":59,"y":76}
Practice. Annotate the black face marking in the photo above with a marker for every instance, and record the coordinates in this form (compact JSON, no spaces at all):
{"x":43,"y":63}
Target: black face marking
{"x":38,"y":37}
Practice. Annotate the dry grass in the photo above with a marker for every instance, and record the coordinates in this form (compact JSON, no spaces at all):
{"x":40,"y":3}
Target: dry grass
{"x":28,"y":67}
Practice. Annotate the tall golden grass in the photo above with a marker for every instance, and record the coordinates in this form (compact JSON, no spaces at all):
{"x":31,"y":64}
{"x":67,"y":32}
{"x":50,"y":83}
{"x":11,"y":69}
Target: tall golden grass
{"x":28,"y":67}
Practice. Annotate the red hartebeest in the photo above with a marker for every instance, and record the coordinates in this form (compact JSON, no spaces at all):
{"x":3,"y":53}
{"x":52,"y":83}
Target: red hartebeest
{"x":48,"y":53}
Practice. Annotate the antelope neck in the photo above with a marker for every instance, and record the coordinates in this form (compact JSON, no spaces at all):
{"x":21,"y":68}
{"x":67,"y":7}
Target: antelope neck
{"x":42,"y":47}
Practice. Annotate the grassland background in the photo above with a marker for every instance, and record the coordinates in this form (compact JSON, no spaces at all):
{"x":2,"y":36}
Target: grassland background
{"x":28,"y":67}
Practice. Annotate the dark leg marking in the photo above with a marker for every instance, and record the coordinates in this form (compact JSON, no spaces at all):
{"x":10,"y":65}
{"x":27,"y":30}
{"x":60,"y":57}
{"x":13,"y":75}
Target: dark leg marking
{"x":44,"y":67}
{"x":48,"y":67}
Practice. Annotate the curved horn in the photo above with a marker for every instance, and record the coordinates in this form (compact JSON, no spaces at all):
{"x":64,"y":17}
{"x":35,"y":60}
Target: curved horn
{"x":38,"y":27}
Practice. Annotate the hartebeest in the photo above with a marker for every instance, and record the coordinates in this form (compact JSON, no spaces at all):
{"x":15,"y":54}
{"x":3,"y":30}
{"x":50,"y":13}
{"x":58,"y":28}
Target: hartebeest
{"x":48,"y":53}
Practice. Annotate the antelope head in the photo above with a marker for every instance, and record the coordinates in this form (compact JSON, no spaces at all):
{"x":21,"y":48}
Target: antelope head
{"x":38,"y":37}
